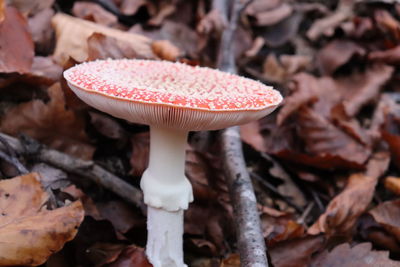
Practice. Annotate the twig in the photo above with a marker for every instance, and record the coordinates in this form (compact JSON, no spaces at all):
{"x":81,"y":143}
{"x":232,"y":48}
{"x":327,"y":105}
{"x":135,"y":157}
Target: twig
{"x":251,"y":243}
{"x":11,"y":157}
{"x":274,"y":190}
{"x":303,"y":217}
{"x":87,"y":169}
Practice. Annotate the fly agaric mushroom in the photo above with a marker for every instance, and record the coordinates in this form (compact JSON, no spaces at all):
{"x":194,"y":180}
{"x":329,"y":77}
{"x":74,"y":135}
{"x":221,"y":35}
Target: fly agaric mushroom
{"x":173,"y":99}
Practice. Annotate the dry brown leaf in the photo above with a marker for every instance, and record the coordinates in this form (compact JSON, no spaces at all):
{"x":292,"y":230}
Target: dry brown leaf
{"x":107,"y":126}
{"x":101,"y":46}
{"x":305,"y":92}
{"x":250,"y":134}
{"x":164,"y":49}
{"x":390,"y":130}
{"x":42,"y":32}
{"x":387,"y":214}
{"x":326,"y":26}
{"x":131,"y":256}
{"x":271,"y":17}
{"x":343,"y":211}
{"x":322,"y":138}
{"x":77,"y":47}
{"x":46,"y":70}
{"x":295,"y":253}
{"x":232,"y":260}
{"x":130,"y":7}
{"x":335,"y":54}
{"x":50,"y":123}
{"x":32,"y":7}
{"x":16,"y":45}
{"x":121,"y":215}
{"x":2,"y":10}
{"x":165,"y":9}
{"x":365,"y":87}
{"x":140,"y":153}
{"x":390,"y":56}
{"x":393,"y":184}
{"x":213,"y":22}
{"x":29,"y":233}
{"x":94,"y":12}
{"x":358,"y":255}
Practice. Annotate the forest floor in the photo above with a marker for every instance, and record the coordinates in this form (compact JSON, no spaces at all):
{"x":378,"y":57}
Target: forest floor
{"x":324,"y":166}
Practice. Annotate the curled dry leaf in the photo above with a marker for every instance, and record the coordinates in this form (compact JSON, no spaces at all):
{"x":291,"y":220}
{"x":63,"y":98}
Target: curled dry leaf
{"x":271,"y":17}
{"x":358,"y":255}
{"x":50,"y":123}
{"x":393,"y":184}
{"x":29,"y":233}
{"x":31,"y":8}
{"x":94,"y":12}
{"x":326,"y":26}
{"x":164,"y":49}
{"x":42,"y":32}
{"x":77,"y":47}
{"x":131,"y":256}
{"x":297,"y":252}
{"x":335,"y":54}
{"x":16,"y":45}
{"x":387,"y":214}
{"x":140,"y":153}
{"x":390,"y":56}
{"x":2,"y":10}
{"x":322,"y":138}
{"x":101,"y":46}
{"x":343,"y":211}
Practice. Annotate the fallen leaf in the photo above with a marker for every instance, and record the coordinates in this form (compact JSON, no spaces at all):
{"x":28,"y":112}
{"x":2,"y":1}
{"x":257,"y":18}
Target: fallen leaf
{"x":42,"y":32}
{"x":283,"y":31}
{"x":322,"y":138}
{"x":295,"y":253}
{"x":387,"y":214}
{"x":343,"y":211}
{"x":327,"y":25}
{"x":140,"y":153}
{"x":365,"y":87}
{"x":2,"y":10}
{"x":50,"y":123}
{"x":232,"y":260}
{"x":358,"y":255}
{"x":131,"y":256}
{"x":16,"y":45}
{"x":273,"y":16}
{"x":29,"y":233}
{"x":393,"y":184}
{"x":31,"y":8}
{"x":164,"y":49}
{"x":389,"y":56}
{"x":107,"y":125}
{"x":120,"y":214}
{"x":50,"y":177}
{"x":335,"y":54}
{"x":101,"y":46}
{"x":250,"y":134}
{"x":77,"y":47}
{"x":95,"y":13}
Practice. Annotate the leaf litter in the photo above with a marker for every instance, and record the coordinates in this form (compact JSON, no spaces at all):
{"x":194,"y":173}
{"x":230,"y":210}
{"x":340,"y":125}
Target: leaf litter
{"x":327,"y":161}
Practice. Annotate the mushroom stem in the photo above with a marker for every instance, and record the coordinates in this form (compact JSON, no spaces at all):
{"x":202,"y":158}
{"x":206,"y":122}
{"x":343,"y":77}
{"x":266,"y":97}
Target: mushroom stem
{"x":164,"y":240}
{"x":167,"y":192}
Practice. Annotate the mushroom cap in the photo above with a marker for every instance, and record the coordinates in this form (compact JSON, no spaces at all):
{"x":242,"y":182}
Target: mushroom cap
{"x":171,"y":95}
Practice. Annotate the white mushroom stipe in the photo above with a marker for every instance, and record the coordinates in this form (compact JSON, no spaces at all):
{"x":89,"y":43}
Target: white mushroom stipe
{"x":164,"y":183}
{"x":164,"y":241}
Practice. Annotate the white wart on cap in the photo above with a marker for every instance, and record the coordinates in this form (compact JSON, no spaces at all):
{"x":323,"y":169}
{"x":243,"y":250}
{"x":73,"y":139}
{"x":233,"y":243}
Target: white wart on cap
{"x":171,"y":95}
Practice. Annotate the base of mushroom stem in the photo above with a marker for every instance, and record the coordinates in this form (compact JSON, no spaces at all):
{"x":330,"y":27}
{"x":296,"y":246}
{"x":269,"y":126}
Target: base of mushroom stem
{"x":165,"y":238}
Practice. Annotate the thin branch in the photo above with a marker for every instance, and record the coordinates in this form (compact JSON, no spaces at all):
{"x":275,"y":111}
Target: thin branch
{"x":251,"y":243}
{"x":11,"y":157}
{"x":87,"y":169}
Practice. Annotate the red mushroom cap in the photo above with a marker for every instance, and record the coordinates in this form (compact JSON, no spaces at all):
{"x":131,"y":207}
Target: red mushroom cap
{"x":171,"y":94}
